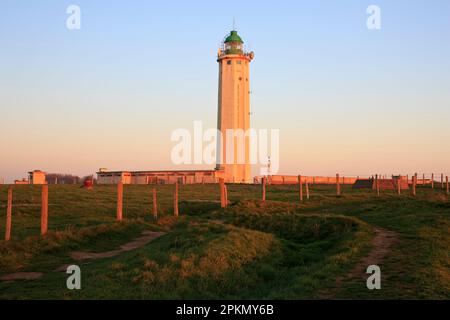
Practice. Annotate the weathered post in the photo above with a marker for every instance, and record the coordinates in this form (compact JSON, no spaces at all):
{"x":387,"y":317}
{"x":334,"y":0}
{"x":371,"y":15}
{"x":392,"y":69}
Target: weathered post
{"x":446,"y":182}
{"x":338,"y":186}
{"x":423,"y":179}
{"x":432,"y":181}
{"x":155,"y":205}
{"x":263,"y":188}
{"x":414,"y":182}
{"x":225,"y":191}
{"x":222,"y":192}
{"x":300,"y":188}
{"x":175,"y":200}
{"x":44,"y":209}
{"x":307,"y":189}
{"x":119,"y":215}
{"x":8,"y":215}
{"x":377,"y":185}
{"x":442,"y":180}
{"x":399,"y":188}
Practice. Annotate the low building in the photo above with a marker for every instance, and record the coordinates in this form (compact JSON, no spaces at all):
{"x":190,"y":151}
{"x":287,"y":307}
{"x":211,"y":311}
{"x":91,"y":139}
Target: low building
{"x":37,"y":177}
{"x":286,"y":179}
{"x":383,"y":184}
{"x":23,"y":181}
{"x":158,"y":177}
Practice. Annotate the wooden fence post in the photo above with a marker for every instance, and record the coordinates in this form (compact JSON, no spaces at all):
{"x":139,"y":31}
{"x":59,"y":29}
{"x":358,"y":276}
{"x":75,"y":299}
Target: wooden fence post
{"x":432,"y":181}
{"x":338,"y":185}
{"x":263,"y":188}
{"x":175,"y":200}
{"x":307,"y":189}
{"x":300,"y":188}
{"x":8,"y":215}
{"x":225,"y":191}
{"x":377,"y":185}
{"x":423,"y":179}
{"x":442,"y":180}
{"x":44,"y":209}
{"x":446,"y":182}
{"x":414,"y":182}
{"x":399,"y":189}
{"x":222,"y":192}
{"x":155,"y":205}
{"x":119,"y":214}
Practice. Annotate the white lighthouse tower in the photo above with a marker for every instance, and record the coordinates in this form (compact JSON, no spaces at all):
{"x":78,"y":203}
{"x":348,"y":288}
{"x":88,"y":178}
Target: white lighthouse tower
{"x":233,"y":152}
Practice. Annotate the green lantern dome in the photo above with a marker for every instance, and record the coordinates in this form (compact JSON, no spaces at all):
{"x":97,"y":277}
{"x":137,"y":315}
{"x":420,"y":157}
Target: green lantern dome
{"x":233,"y":37}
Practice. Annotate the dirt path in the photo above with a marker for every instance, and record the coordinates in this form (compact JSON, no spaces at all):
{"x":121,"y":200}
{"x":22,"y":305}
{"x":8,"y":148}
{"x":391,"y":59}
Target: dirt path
{"x":381,"y":246}
{"x":147,"y":237}
{"x":382,"y":243}
{"x":21,"y":276}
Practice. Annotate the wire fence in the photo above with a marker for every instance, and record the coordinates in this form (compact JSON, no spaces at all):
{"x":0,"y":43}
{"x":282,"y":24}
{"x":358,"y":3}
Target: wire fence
{"x":64,"y":205}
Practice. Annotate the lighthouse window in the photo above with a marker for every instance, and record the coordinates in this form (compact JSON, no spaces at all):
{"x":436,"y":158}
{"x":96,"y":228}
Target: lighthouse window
{"x":229,"y":62}
{"x":239,"y":62}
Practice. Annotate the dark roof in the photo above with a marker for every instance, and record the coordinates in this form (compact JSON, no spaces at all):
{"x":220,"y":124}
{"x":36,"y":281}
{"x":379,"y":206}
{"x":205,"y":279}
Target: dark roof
{"x":155,"y":171}
{"x":233,"y":37}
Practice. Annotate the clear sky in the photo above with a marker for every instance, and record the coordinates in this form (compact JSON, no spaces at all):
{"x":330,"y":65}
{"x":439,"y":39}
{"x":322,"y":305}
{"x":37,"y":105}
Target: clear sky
{"x":346,"y":99}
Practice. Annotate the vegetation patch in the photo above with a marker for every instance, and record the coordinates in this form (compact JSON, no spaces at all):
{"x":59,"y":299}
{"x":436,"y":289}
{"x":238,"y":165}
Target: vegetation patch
{"x":280,"y":248}
{"x":40,"y":252}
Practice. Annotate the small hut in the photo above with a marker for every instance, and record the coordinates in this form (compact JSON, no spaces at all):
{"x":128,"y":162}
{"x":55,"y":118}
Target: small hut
{"x":384,"y":184}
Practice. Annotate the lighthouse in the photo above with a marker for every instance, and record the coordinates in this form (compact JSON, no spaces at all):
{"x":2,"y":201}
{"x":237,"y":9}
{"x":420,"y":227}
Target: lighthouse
{"x":233,"y":121}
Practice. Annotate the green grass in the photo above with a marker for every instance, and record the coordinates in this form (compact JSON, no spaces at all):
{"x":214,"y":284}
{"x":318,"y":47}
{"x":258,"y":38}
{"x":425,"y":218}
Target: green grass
{"x":252,"y":250}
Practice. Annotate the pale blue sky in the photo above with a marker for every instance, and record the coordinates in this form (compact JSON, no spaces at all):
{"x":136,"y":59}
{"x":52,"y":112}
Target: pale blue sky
{"x":345,"y":98}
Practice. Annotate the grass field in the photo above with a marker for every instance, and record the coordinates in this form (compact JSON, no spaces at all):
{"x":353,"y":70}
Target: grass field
{"x":279,"y":249}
